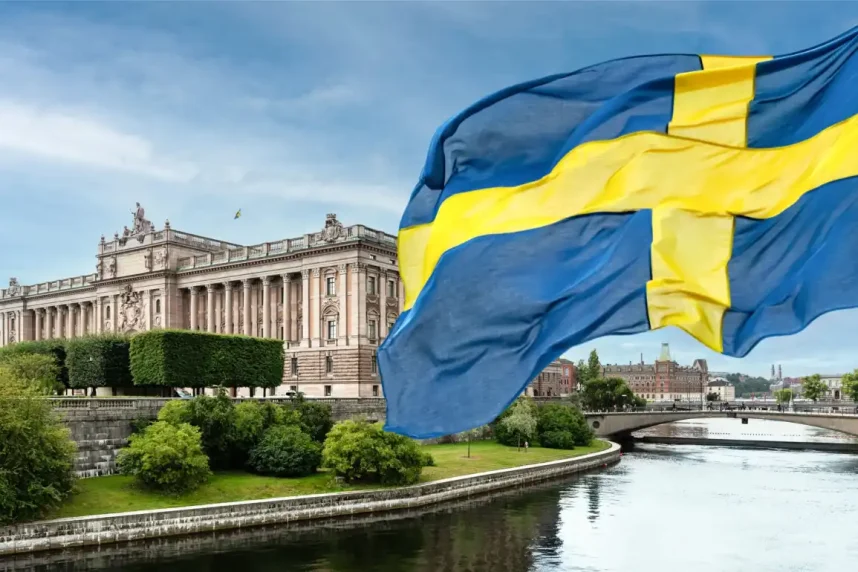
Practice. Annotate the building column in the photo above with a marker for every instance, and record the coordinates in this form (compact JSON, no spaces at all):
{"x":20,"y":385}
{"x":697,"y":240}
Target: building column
{"x":114,"y":319}
{"x":210,"y":323}
{"x":149,"y":310}
{"x":3,"y":329}
{"x":354,"y":320}
{"x":343,"y":319}
{"x":266,"y":307}
{"x":37,"y":333}
{"x":382,"y":305}
{"x":49,"y":323}
{"x":61,"y":322}
{"x":317,"y":294}
{"x":227,"y":313}
{"x":305,"y":308}
{"x":193,"y":309}
{"x":99,"y":315}
{"x":246,"y":283}
{"x":286,"y":317}
{"x":218,"y":310}
{"x":401,"y":288}
{"x":19,"y":327}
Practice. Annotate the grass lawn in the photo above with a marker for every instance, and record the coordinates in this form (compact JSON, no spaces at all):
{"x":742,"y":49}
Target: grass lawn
{"x":105,"y":495}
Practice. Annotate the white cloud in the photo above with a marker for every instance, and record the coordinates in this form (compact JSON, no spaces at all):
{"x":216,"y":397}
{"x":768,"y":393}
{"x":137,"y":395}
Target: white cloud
{"x":58,"y":135}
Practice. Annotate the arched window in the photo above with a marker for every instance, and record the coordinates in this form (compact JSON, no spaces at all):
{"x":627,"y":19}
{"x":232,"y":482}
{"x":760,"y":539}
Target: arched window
{"x":107,"y":312}
{"x":158,"y":306}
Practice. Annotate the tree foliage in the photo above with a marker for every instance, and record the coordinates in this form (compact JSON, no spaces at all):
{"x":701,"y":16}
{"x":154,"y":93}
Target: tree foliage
{"x":98,"y":361}
{"x":594,"y":366}
{"x":783,"y":395}
{"x":813,"y":387}
{"x":520,"y":424}
{"x":315,"y":418}
{"x":166,"y":457}
{"x":182,"y":358}
{"x":850,"y":385}
{"x":37,"y":372}
{"x":214,"y":417}
{"x":609,"y":394}
{"x":53,"y":348}
{"x":363,"y":452}
{"x":36,"y":452}
{"x":286,"y":451}
{"x":562,"y":427}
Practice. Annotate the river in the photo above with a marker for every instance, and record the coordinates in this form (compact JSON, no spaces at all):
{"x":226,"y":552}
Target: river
{"x":663,"y":508}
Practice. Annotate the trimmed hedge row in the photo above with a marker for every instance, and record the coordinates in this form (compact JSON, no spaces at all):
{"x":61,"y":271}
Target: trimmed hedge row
{"x":55,"y":348}
{"x":98,"y":361}
{"x":182,"y":358}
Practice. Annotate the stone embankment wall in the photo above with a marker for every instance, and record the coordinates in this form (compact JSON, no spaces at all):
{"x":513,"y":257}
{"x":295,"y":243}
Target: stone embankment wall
{"x":100,"y":427}
{"x":98,"y":530}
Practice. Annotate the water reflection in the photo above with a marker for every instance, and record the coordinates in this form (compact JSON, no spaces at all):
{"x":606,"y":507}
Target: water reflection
{"x":756,"y":429}
{"x":663,"y":508}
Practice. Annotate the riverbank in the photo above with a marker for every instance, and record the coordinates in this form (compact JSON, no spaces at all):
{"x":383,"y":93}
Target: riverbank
{"x":108,"y":528}
{"x":752,"y":444}
{"x":117,"y":493}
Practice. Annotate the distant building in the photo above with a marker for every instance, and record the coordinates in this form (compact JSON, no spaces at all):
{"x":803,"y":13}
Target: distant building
{"x":834,"y":383}
{"x":568,"y":377}
{"x":664,"y":380}
{"x":548,"y":382}
{"x":722,"y":388}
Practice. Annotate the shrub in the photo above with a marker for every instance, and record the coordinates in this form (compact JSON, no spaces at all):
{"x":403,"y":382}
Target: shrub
{"x":286,"y":451}
{"x":98,"y":361}
{"x":428,"y":460}
{"x":166,"y":457}
{"x":214,"y":417}
{"x":182,"y":358}
{"x":562,"y":427}
{"x":140,"y":424}
{"x":517,"y":424}
{"x":36,"y":453}
{"x":252,"y":419}
{"x":360,"y":452}
{"x":315,"y":418}
{"x":37,"y":372}
{"x":53,"y":348}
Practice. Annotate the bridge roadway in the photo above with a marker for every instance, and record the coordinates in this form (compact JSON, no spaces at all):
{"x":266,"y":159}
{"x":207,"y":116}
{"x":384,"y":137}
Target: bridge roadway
{"x":618,"y":424}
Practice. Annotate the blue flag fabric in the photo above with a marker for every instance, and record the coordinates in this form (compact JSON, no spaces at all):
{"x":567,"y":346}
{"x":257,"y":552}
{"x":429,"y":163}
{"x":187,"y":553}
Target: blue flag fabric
{"x":716,"y":194}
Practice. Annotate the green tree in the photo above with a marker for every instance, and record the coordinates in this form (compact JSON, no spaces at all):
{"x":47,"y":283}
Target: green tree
{"x":783,"y":395}
{"x":315,"y":418}
{"x":813,"y":387}
{"x":363,"y":452}
{"x":582,"y":372}
{"x":608,"y":394}
{"x":250,"y":423}
{"x":36,"y":451}
{"x":286,"y":451}
{"x":520,"y":424}
{"x":215,"y":418}
{"x":850,"y":385}
{"x":562,"y":427}
{"x":594,"y":366}
{"x":39,"y":372}
{"x":166,"y":457}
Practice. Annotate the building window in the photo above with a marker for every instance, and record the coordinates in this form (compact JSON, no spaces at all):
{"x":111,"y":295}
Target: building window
{"x":391,"y":288}
{"x":107,"y":310}
{"x":293,"y":388}
{"x":375,"y":391}
{"x":327,"y":391}
{"x":329,"y":364}
{"x":370,"y":284}
{"x":332,"y":329}
{"x":294,"y":366}
{"x":390,"y":325}
{"x":331,"y":286}
{"x":157,"y":306}
{"x":374,"y":363}
{"x":371,"y":329}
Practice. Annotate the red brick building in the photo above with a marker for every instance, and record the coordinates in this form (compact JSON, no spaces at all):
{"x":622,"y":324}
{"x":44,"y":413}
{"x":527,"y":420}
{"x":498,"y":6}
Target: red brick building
{"x":568,"y":377}
{"x":664,"y":380}
{"x":548,"y":383}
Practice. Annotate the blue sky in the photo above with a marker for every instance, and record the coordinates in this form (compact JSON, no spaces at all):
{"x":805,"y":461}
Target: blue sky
{"x":290,"y":111}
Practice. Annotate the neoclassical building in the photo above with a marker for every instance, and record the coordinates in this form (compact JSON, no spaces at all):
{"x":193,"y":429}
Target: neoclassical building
{"x":331,"y":296}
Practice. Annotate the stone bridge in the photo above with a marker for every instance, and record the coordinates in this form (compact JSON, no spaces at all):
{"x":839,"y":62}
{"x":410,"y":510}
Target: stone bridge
{"x":619,"y":424}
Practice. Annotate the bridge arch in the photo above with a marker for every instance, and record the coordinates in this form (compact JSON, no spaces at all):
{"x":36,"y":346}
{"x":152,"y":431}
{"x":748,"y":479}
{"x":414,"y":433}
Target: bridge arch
{"x":612,"y":424}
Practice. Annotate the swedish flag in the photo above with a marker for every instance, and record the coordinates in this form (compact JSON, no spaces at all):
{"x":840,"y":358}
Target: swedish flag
{"x":717,"y":194}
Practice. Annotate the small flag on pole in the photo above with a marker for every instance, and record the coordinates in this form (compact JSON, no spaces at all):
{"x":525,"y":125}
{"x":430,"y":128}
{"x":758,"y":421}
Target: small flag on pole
{"x":237,"y":214}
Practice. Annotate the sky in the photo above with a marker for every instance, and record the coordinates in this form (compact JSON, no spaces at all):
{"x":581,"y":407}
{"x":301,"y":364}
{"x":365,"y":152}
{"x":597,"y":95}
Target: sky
{"x":289,"y":111}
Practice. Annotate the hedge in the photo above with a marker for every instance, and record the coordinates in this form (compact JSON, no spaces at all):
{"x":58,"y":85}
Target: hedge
{"x":98,"y":361}
{"x":55,"y":348}
{"x":182,"y":358}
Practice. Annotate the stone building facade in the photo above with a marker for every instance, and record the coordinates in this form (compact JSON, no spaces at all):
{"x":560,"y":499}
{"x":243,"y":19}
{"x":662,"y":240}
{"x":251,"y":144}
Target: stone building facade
{"x":548,"y":383}
{"x":332,"y":296}
{"x":664,"y":380}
